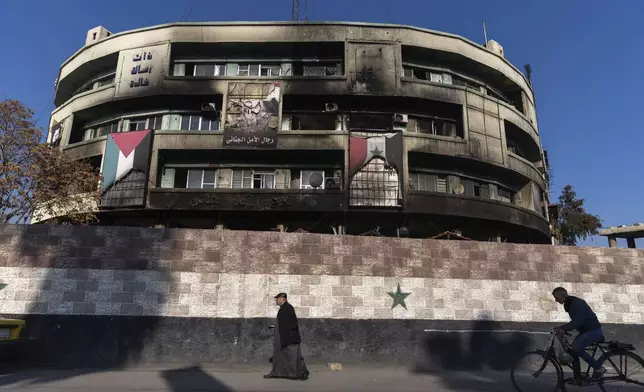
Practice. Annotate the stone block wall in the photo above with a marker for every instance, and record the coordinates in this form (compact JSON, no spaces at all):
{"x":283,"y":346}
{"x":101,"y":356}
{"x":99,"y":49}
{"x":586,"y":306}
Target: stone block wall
{"x":190,"y":282}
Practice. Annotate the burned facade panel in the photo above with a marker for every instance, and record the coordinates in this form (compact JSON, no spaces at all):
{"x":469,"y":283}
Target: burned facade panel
{"x":252,"y":114}
{"x":330,"y":128}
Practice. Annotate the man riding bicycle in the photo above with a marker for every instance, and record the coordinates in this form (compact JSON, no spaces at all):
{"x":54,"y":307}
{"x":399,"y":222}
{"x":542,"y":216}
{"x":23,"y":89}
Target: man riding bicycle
{"x":584,"y":320}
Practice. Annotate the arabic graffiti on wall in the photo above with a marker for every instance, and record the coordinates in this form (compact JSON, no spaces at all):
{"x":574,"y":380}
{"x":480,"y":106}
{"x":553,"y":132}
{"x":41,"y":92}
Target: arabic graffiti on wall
{"x":141,"y":69}
{"x":252,"y":114}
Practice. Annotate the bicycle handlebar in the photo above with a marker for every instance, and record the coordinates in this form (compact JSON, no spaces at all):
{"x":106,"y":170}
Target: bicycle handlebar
{"x":565,"y":333}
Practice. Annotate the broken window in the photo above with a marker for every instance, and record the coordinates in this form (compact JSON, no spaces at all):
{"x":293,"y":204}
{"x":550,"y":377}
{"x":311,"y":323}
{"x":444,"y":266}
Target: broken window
{"x":419,"y":73}
{"x":505,"y":195}
{"x":270,"y":70}
{"x":375,"y":185}
{"x":421,"y":125}
{"x":201,"y":179}
{"x":263,"y":180}
{"x":97,"y":82}
{"x":370,"y":121}
{"x":445,"y":128}
{"x":138,"y":125}
{"x":477,"y":189}
{"x":431,"y":126}
{"x":313,"y":121}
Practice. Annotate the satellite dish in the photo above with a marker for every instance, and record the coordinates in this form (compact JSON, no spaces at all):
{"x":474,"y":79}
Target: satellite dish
{"x":459,"y":189}
{"x":316,"y":180}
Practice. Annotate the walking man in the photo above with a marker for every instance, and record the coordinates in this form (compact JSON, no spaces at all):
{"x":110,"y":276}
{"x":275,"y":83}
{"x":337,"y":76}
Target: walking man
{"x":287,"y":353}
{"x":584,"y":320}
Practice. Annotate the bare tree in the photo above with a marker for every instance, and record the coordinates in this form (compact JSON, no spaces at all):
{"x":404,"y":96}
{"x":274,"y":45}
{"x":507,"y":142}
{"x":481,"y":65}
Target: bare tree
{"x":36,"y":178}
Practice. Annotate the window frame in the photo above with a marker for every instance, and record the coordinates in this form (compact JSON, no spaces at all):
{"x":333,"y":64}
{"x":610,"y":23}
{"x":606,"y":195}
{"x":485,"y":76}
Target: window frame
{"x":219,"y":69}
{"x":262,"y":175}
{"x":302,"y":186}
{"x":199,"y":125}
{"x":239,"y":69}
{"x":203,"y":175}
{"x":270,"y":68}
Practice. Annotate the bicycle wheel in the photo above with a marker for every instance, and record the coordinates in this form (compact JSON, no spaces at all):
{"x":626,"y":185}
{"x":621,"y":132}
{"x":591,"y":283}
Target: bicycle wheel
{"x":624,"y":372}
{"x":536,"y":372}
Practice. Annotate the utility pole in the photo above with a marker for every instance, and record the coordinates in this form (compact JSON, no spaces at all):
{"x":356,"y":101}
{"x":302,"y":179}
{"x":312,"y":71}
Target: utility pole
{"x":295,"y":10}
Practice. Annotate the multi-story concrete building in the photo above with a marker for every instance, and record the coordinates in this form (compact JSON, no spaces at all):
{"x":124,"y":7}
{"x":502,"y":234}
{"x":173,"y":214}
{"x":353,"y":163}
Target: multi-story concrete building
{"x":324,"y":127}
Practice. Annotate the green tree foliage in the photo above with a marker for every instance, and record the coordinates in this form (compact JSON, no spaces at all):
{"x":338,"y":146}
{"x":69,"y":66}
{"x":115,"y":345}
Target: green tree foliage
{"x":574,"y":223}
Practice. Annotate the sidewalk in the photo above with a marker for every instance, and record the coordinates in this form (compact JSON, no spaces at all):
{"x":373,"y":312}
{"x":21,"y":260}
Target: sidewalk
{"x":197,"y":379}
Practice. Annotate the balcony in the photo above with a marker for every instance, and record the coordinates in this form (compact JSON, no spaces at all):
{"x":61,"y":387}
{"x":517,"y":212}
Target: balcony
{"x":526,"y":168}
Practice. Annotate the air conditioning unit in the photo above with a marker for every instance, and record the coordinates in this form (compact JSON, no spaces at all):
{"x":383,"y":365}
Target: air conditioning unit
{"x":332,"y":183}
{"x":330,"y":107}
{"x":400,"y":118}
{"x":208,"y":107}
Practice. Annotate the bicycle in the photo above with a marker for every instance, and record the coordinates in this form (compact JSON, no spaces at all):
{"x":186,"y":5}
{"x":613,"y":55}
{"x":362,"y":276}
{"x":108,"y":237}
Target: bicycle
{"x":613,"y":353}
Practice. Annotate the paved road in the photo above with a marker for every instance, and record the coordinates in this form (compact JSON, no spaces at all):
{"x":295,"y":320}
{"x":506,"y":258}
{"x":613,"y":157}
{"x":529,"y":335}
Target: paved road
{"x":197,"y":379}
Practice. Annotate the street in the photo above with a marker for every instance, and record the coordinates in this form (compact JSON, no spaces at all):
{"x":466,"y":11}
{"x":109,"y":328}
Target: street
{"x":195,"y":378}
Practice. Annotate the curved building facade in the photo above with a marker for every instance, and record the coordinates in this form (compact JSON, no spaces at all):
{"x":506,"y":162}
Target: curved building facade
{"x":323,"y":127}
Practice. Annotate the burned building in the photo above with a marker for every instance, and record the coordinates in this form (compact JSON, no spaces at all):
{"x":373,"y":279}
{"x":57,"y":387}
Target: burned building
{"x":322,"y":127}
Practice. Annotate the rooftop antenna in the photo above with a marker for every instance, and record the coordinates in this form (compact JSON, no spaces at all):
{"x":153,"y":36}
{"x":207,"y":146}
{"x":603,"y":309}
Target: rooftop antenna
{"x":485,"y":33}
{"x":295,"y":10}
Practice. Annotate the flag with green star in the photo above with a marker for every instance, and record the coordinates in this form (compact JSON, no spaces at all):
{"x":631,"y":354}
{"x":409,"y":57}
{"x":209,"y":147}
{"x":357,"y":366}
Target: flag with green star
{"x":399,"y":298}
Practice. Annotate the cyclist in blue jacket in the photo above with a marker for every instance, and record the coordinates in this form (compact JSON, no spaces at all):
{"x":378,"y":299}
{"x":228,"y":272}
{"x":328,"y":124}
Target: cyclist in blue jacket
{"x":584,"y":320}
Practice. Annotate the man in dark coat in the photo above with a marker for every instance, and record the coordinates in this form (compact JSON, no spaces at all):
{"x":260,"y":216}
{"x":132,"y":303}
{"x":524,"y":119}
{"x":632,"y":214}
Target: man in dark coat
{"x":287,"y":353}
{"x":584,"y":320}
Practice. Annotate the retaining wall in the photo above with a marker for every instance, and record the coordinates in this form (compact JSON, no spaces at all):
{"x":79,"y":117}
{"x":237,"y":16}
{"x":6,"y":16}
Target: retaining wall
{"x":110,"y":296}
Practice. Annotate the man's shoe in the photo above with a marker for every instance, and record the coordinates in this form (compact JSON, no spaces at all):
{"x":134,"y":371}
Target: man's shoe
{"x":599,"y":373}
{"x":269,"y":376}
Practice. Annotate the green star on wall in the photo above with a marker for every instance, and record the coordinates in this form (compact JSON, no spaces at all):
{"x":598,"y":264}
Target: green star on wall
{"x":399,"y":298}
{"x":2,"y":286}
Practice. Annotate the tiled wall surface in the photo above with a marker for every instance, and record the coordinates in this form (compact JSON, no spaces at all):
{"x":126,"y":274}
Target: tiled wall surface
{"x":231,"y":274}
{"x":225,"y":295}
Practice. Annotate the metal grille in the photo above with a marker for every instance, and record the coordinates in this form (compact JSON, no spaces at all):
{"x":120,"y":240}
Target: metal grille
{"x":375,"y":185}
{"x":128,"y":191}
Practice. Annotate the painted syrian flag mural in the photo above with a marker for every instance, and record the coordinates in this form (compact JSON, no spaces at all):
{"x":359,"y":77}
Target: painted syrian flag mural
{"x":125,"y":168}
{"x":375,"y":164}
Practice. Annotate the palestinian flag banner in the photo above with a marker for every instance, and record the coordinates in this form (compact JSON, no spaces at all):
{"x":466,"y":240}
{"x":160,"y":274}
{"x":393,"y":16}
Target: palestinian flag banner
{"x":125,"y":152}
{"x":388,"y":147}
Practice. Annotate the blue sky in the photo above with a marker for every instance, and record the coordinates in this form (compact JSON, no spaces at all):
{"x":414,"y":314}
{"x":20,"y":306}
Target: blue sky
{"x":586,"y":57}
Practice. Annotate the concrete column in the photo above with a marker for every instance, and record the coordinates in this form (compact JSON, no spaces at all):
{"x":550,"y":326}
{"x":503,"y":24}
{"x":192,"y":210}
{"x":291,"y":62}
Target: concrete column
{"x":630,"y":242}
{"x":612,"y":241}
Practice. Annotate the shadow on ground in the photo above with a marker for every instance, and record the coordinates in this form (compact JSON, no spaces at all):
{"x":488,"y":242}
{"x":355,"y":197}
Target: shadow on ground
{"x":74,"y":275}
{"x":488,"y":348}
{"x":193,"y":379}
